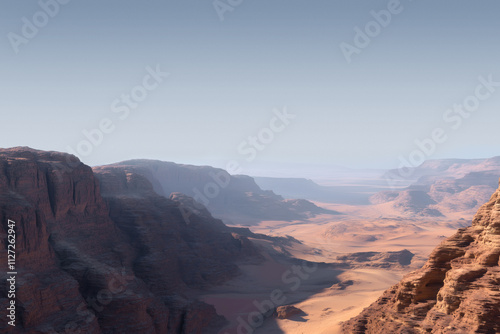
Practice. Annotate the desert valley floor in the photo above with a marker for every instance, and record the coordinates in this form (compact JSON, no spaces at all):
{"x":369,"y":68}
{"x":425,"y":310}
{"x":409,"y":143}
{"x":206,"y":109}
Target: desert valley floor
{"x":325,"y":238}
{"x":257,"y":258}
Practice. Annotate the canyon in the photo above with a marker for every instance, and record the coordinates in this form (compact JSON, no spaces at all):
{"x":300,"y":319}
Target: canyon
{"x":158,"y":247}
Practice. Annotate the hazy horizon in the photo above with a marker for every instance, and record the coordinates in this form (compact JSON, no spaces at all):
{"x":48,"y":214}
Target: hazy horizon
{"x":282,"y":170}
{"x":231,"y":73}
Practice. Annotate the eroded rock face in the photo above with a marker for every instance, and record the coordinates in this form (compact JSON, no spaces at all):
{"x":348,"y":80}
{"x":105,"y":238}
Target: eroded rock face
{"x":438,"y":196}
{"x":457,"y":290}
{"x":287,"y":312}
{"x":378,"y":259}
{"x":175,"y":246}
{"x":106,"y":254}
{"x":236,"y":199}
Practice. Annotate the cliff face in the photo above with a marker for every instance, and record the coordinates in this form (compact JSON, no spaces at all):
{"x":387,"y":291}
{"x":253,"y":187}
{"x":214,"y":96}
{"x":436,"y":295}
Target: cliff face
{"x":126,"y":261}
{"x":236,"y":199}
{"x":445,"y":188}
{"x":457,"y":291}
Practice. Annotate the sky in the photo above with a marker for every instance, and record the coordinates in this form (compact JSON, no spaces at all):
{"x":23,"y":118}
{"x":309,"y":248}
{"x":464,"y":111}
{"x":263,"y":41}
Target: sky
{"x":259,"y":84}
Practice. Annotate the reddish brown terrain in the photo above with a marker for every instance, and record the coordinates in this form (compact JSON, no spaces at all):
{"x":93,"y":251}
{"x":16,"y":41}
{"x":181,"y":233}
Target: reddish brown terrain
{"x":103,"y":253}
{"x":236,"y":199}
{"x":451,"y":188}
{"x":125,"y":248}
{"x":456,"y":291}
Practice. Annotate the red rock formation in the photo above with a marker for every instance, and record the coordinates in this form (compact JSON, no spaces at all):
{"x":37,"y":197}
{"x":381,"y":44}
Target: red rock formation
{"x":378,"y":259}
{"x":287,"y":312}
{"x":457,"y":290}
{"x":125,"y":262}
{"x":445,"y":188}
{"x":234,"y":198}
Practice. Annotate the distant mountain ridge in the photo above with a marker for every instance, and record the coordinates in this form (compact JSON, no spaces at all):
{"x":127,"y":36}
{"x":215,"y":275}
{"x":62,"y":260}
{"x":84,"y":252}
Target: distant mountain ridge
{"x":443,"y":168}
{"x":445,"y":187}
{"x":236,"y":199}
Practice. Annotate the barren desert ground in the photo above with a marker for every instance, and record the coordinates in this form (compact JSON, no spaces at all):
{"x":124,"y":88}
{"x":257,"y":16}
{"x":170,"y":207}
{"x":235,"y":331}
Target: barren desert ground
{"x":329,"y":296}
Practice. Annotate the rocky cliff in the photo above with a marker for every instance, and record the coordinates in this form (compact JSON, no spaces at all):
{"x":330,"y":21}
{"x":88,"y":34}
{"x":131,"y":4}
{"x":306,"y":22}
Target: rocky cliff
{"x":101,"y":252}
{"x":451,"y":188}
{"x":457,"y":290}
{"x":236,"y":199}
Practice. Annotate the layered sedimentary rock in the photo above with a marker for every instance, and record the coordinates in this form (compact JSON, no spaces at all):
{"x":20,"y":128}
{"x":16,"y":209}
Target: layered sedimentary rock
{"x":103,"y":253}
{"x":287,"y":312}
{"x":378,"y":259}
{"x":432,"y":170}
{"x":442,"y":188}
{"x":457,"y":290}
{"x":236,"y":199}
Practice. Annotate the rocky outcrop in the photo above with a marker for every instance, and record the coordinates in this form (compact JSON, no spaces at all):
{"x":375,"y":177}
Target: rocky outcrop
{"x":432,"y":170}
{"x":287,"y":312}
{"x":101,"y":252}
{"x":457,"y":290}
{"x":378,"y":259}
{"x":443,"y":188}
{"x":416,"y":202}
{"x":236,"y":199}
{"x":435,"y":197}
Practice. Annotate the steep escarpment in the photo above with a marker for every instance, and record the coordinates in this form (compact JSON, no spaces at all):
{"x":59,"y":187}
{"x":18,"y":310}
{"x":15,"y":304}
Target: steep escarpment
{"x":443,"y":188}
{"x":183,"y":246}
{"x":457,"y":291}
{"x":432,"y":170}
{"x":107,"y":254}
{"x":236,"y":199}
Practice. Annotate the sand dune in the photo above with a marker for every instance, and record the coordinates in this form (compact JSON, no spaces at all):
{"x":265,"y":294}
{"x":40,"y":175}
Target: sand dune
{"x":331,"y":295}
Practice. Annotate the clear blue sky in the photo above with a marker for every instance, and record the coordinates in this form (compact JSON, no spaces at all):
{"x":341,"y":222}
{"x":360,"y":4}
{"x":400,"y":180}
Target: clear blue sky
{"x":227,"y":77}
